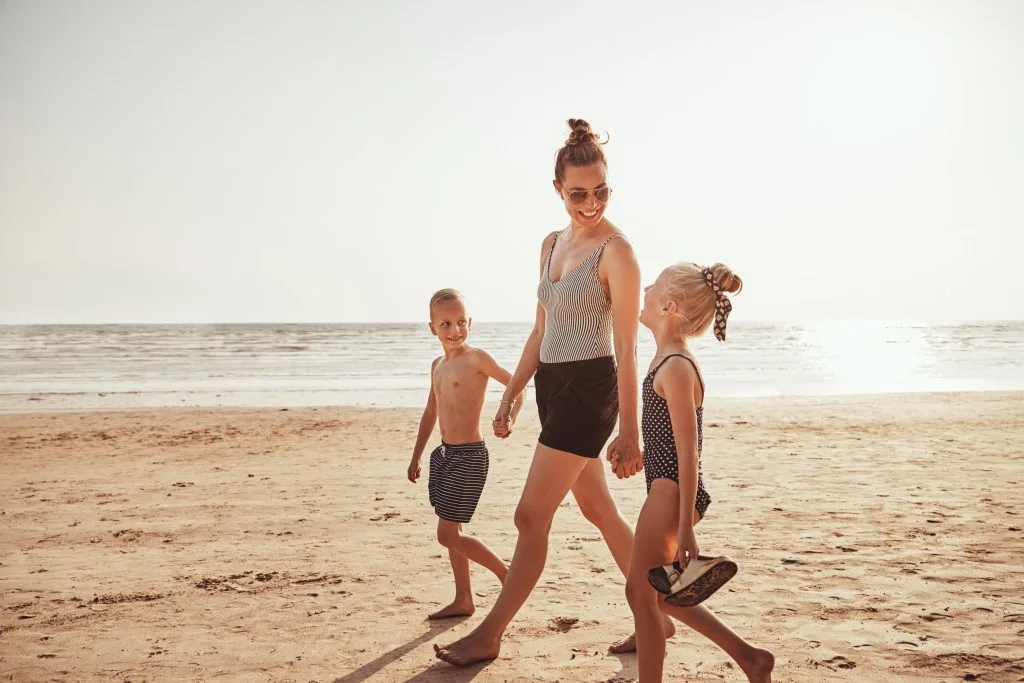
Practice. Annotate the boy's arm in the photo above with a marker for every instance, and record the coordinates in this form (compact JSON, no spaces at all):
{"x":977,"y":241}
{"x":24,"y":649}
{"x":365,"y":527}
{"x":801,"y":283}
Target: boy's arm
{"x":427,"y":422}
{"x":488,"y":366}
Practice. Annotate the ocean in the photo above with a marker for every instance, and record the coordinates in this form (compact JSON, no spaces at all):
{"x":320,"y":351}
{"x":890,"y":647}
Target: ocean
{"x":68,"y":367}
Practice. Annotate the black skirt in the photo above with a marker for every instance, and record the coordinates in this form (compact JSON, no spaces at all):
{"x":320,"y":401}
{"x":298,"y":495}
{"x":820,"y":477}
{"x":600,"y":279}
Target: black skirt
{"x":578,"y":404}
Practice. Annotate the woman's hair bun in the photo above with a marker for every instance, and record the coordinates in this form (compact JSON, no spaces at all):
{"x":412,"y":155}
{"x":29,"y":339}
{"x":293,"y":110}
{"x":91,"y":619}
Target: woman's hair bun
{"x":581,"y":133}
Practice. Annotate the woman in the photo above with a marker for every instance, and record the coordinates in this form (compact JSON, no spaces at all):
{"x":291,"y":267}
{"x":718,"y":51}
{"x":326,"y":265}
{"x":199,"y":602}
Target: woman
{"x":582,"y":350}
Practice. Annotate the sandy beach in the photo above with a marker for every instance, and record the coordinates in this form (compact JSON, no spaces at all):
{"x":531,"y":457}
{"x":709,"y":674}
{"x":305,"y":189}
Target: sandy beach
{"x":878,"y":539}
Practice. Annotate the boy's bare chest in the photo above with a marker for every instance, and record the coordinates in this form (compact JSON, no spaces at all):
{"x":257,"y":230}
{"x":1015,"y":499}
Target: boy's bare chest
{"x":455,"y":379}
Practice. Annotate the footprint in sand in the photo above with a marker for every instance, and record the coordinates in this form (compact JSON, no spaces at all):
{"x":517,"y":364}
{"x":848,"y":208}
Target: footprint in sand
{"x":934,"y":616}
{"x":385,"y":517}
{"x":563,"y":624}
{"x":839,"y":662}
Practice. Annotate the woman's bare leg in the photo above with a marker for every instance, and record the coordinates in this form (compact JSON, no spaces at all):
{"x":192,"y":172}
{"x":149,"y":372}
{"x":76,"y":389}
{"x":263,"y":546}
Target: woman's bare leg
{"x":598,"y":506}
{"x":551,"y":476}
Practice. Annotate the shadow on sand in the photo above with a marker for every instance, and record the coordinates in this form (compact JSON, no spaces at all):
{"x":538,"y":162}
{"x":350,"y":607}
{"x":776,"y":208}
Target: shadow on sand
{"x":435,"y":628}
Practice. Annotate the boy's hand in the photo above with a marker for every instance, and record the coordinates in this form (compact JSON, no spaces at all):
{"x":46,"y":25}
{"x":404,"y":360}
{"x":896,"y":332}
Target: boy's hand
{"x":503,"y":420}
{"x":414,"y":470}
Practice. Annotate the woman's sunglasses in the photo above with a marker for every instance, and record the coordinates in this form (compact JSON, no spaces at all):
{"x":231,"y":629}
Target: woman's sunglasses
{"x":601,"y":194}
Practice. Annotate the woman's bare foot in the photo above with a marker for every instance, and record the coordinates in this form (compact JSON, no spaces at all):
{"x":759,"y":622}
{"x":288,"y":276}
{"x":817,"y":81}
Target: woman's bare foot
{"x":469,"y":650}
{"x":629,"y":644}
{"x":458,"y":608}
{"x":759,"y":667}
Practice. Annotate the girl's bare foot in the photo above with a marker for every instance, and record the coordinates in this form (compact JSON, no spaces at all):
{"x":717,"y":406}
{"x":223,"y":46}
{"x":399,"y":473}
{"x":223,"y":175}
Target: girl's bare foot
{"x":469,"y":650}
{"x":629,"y":644}
{"x":458,"y":608}
{"x":759,"y":667}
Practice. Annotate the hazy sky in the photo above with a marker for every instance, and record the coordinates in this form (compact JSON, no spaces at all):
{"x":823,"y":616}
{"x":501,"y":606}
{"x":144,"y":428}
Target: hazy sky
{"x":339,"y":161}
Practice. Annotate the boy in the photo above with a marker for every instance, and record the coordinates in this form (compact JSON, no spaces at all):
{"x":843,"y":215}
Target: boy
{"x":458,"y":467}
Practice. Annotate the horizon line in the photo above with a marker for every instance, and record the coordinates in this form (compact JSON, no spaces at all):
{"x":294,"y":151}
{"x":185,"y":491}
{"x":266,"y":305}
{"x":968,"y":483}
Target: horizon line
{"x":765,"y":321}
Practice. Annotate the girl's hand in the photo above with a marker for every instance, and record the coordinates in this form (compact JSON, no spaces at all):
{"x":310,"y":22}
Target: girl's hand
{"x":502,"y":424}
{"x":625,"y":455}
{"x":688,"y":548}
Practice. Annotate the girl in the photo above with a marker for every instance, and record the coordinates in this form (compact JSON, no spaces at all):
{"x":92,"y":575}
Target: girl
{"x":682,"y":303}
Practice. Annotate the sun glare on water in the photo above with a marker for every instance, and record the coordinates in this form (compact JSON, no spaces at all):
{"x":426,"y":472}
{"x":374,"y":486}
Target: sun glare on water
{"x":869,"y":357}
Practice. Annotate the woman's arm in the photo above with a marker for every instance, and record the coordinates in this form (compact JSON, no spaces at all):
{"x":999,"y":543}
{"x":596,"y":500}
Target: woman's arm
{"x":529,"y":360}
{"x":623,"y":277}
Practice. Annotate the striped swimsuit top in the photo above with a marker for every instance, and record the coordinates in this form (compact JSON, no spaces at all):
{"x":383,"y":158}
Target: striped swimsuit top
{"x":577,"y":312}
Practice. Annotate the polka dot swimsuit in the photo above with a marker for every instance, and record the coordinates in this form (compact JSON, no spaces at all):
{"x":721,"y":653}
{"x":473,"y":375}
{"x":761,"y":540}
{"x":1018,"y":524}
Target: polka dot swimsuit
{"x":661,"y":459}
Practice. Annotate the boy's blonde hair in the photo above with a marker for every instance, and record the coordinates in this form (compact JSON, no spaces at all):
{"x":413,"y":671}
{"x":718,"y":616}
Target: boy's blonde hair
{"x":443,"y":296}
{"x":700,"y":294}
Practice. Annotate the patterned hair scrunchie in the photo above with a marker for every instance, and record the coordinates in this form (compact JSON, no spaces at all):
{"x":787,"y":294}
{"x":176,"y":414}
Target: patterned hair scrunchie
{"x":722,"y":305}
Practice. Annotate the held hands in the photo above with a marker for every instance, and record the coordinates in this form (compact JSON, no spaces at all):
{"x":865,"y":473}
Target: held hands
{"x":414,"y":470}
{"x":506,"y":417}
{"x":688,"y":548}
{"x":625,"y":456}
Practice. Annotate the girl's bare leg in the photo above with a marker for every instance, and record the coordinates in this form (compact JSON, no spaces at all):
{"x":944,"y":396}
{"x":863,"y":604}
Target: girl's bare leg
{"x":655,"y":545}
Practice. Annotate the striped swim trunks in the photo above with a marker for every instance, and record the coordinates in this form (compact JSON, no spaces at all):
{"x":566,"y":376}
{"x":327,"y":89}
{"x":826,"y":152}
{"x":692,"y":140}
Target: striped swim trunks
{"x":456,"y":479}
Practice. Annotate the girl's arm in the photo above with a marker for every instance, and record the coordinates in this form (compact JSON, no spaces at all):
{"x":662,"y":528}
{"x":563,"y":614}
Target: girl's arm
{"x":676,"y":381}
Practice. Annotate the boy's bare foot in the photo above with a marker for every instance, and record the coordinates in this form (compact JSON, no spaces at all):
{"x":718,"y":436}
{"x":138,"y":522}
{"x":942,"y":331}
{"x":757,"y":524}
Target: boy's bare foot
{"x":759,"y":667}
{"x":459,"y":608}
{"x":469,"y":650}
{"x":624,"y":646}
{"x":629,"y":644}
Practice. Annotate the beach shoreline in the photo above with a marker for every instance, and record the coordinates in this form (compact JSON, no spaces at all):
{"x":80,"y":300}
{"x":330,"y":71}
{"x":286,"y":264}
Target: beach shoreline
{"x":30,"y":403}
{"x":877,"y":537}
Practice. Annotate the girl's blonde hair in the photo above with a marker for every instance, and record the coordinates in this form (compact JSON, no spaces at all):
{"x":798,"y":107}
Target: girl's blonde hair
{"x":700,"y":295}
